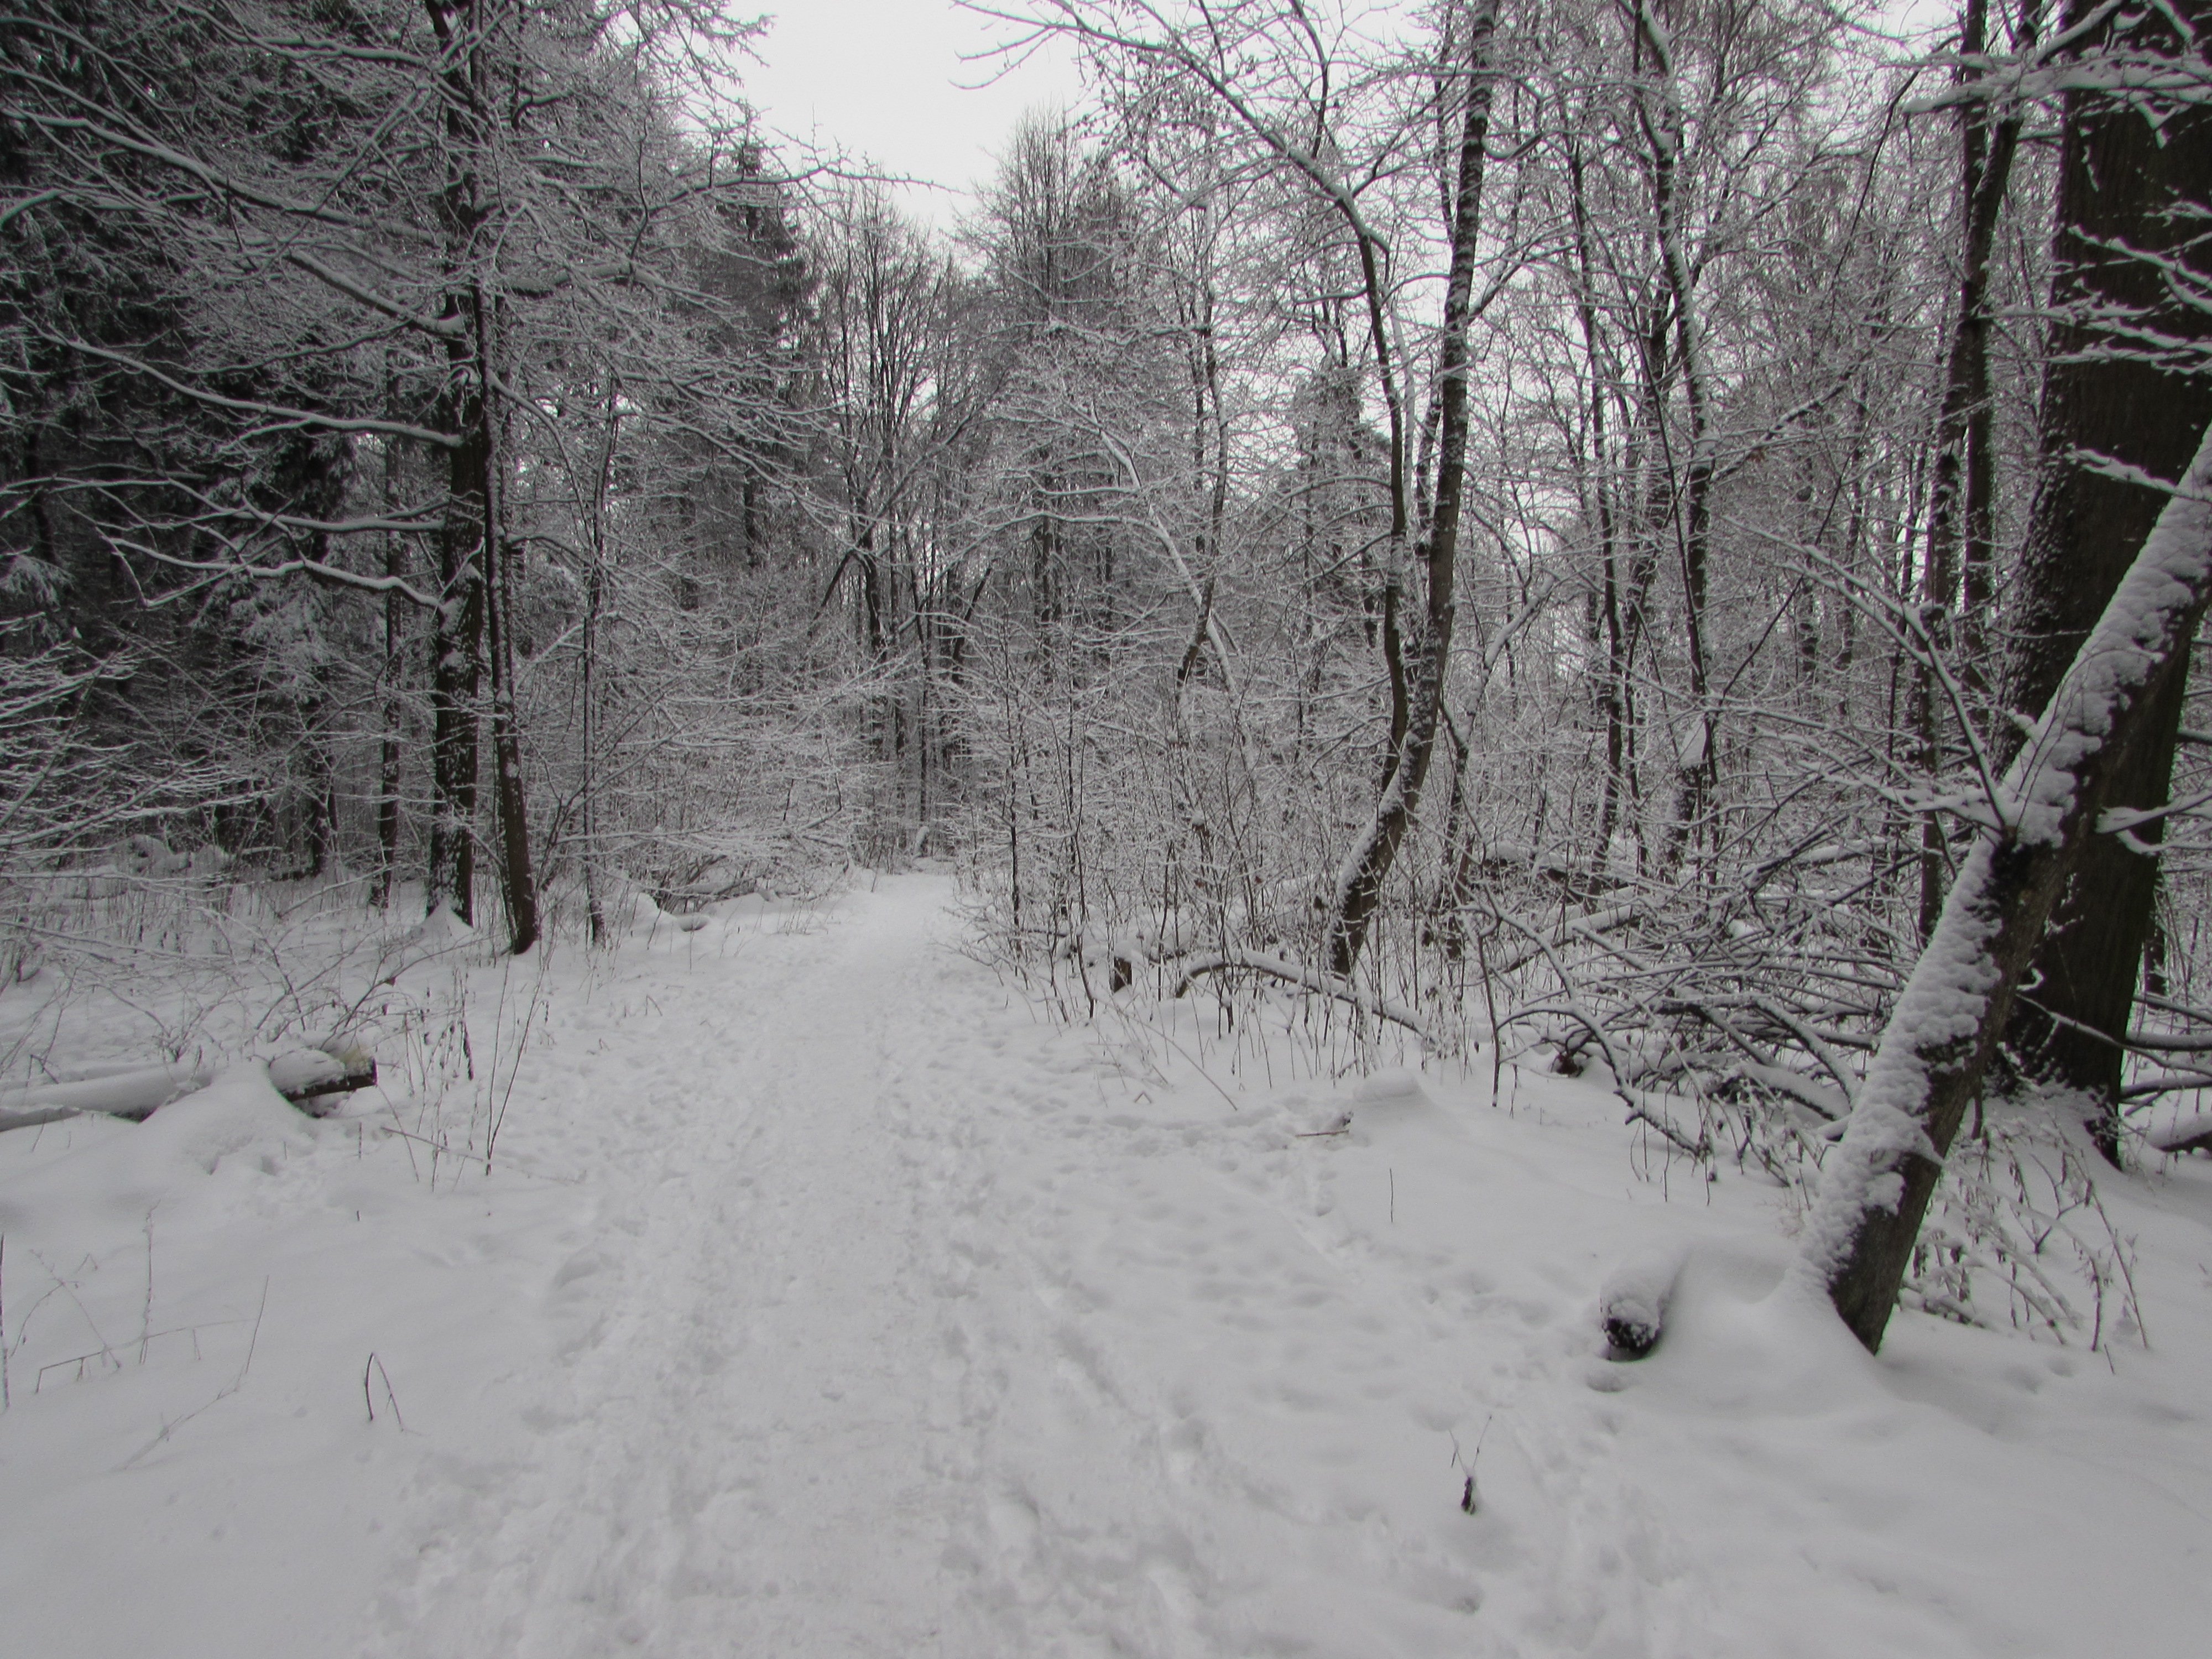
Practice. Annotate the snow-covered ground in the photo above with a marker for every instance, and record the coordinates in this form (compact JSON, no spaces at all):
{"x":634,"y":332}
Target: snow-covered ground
{"x":822,"y":1299}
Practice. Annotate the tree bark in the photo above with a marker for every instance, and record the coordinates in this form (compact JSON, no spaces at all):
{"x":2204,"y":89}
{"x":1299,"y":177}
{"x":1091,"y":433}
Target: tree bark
{"x":2129,"y":383}
{"x":1616,"y":693}
{"x":457,"y":630}
{"x":456,"y":666}
{"x":1959,"y":507}
{"x":388,"y":759}
{"x":595,"y":585}
{"x":517,"y":880}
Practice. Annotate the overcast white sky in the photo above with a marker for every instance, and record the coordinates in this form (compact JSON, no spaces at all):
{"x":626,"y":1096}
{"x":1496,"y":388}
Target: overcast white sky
{"x":885,"y":80}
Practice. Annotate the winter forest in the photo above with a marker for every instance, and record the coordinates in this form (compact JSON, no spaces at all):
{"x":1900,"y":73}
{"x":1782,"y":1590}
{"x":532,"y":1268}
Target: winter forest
{"x":1588,"y":605}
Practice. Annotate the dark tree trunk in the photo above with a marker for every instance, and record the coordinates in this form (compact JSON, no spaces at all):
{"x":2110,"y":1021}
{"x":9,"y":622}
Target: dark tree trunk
{"x":2110,"y":391}
{"x":458,"y":626}
{"x":456,"y":668}
{"x":387,"y":769}
{"x":1615,"y":693}
{"x":1359,"y":889}
{"x":475,"y":571}
{"x":518,"y":879}
{"x":1665,"y":128}
{"x":595,"y":596}
{"x":319,"y":805}
{"x":1959,"y":499}
{"x":1962,"y":477}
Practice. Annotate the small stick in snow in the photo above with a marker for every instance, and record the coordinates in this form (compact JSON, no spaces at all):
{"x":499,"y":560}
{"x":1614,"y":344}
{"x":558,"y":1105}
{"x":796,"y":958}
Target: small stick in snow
{"x":390,"y":1398}
{"x":1470,"y":1500}
{"x":252,"y":1341}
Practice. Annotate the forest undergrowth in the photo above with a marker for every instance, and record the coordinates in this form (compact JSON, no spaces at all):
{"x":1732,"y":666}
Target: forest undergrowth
{"x":1714,"y":1069}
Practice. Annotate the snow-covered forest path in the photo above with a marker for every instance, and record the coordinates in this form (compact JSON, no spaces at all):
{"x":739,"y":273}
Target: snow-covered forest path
{"x":841,"y":1374}
{"x":827,"y":1299}
{"x":894,"y":1333}
{"x":906,"y":1321}
{"x":758,"y":1435}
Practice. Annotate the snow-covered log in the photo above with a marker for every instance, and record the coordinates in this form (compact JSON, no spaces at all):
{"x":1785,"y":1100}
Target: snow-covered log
{"x":2192,"y":1135}
{"x":1633,"y":1306}
{"x":302,"y":1075}
{"x":1938,"y":1039}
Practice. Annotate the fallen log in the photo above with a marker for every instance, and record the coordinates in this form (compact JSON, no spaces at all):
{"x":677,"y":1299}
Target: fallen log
{"x":2193,"y":1135}
{"x":303,"y":1077}
{"x":1633,"y":1306}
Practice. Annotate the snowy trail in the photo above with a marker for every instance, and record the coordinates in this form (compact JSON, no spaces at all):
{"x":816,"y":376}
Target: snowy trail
{"x":761,"y":1444}
{"x":904,"y":1322}
{"x":894,"y":1336}
{"x":829,"y":1301}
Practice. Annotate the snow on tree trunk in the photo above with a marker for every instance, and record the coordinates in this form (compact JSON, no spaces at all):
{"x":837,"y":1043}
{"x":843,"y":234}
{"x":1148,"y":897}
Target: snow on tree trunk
{"x":2126,"y":382}
{"x":1875,"y":1186}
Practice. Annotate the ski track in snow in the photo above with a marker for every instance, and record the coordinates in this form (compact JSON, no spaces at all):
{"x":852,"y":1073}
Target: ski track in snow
{"x":832,"y":1301}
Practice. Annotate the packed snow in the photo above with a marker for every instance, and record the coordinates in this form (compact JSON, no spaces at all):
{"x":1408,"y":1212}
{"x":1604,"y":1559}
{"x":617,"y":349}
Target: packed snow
{"x":823,"y":1296}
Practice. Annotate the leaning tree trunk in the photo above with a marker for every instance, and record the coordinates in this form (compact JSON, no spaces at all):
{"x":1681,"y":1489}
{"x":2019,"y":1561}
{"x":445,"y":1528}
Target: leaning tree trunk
{"x":1418,"y":713}
{"x":1944,"y":1028}
{"x":2129,"y":382}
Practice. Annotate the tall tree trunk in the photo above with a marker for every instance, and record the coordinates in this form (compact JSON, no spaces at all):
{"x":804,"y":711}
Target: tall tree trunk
{"x":1963,"y":477}
{"x":1960,"y":495}
{"x":387,"y":769}
{"x":457,"y":660}
{"x":475,"y":578}
{"x":1875,"y":1186}
{"x":319,"y":807}
{"x":518,"y":879}
{"x":2129,"y":382}
{"x":1659,"y":112}
{"x":1359,"y":883}
{"x":594,"y":606}
{"x":457,"y":625}
{"x":1614,"y":693}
